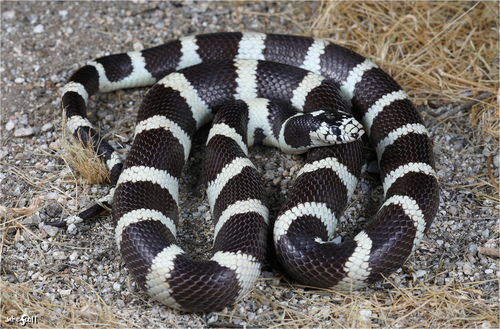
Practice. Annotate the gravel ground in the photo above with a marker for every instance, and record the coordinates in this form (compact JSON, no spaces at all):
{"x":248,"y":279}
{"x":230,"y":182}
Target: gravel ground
{"x":43,"y":42}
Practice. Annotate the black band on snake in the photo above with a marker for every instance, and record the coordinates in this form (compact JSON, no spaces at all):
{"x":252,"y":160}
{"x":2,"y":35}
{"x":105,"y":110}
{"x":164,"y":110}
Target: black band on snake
{"x":275,"y":75}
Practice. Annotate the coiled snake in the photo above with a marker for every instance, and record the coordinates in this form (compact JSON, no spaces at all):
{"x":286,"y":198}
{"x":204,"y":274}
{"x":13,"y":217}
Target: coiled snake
{"x":198,"y":75}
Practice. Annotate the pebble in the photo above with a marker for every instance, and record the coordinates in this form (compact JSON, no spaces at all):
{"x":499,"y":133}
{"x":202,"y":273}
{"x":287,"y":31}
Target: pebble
{"x":496,"y":160}
{"x":45,"y":245}
{"x":23,"y":120}
{"x":52,"y":195}
{"x":138,"y":46}
{"x":486,"y":325}
{"x":59,"y":255}
{"x":467,"y":268}
{"x":9,"y":126}
{"x":50,"y":230}
{"x":47,"y":127}
{"x":72,"y":229}
{"x":65,"y":292}
{"x":73,"y":256}
{"x":120,"y":303}
{"x":101,"y":115}
{"x":365,"y":315}
{"x":9,"y":14}
{"x":25,"y":132}
{"x":473,"y":248}
{"x":53,"y":209}
{"x":38,"y":28}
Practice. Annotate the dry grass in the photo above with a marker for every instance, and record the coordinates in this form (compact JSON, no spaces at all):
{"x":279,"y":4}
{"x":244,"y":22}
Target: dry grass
{"x":440,"y":52}
{"x":25,"y":300}
{"x":82,"y":158}
{"x":452,"y":305}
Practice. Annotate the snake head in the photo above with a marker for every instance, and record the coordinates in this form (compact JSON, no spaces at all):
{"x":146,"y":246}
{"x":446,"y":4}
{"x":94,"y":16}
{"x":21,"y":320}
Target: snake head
{"x":334,"y":127}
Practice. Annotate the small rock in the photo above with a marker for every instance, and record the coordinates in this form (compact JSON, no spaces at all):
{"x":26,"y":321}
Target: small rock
{"x":55,"y":145}
{"x":25,"y":132}
{"x":47,"y":127}
{"x":486,"y":325}
{"x":50,"y":230}
{"x":38,"y":28}
{"x":365,"y":315}
{"x":138,"y":46}
{"x":117,"y":286}
{"x":45,"y":246}
{"x":59,"y":255}
{"x":53,"y":209}
{"x":496,"y":160}
{"x":101,"y":114}
{"x":65,"y":292}
{"x":9,"y":14}
{"x":35,"y":218}
{"x":9,"y":126}
{"x":52,"y":195}
{"x":72,"y":229}
{"x":73,"y":256}
{"x":120,"y":303}
{"x":467,"y":268}
{"x":473,"y":248}
{"x":23,"y":120}
{"x":19,"y":80}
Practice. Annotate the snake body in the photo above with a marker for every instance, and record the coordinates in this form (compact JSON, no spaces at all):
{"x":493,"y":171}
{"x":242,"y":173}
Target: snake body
{"x":198,"y":75}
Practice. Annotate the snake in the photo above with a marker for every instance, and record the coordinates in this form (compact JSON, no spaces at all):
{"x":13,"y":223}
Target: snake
{"x":252,"y":84}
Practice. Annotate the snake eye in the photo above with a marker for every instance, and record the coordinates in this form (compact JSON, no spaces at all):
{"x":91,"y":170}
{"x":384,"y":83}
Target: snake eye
{"x":327,"y":113}
{"x":330,"y":115}
{"x":333,"y":115}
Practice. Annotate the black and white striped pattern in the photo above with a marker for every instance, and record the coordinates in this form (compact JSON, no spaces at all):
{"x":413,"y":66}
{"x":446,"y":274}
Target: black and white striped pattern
{"x":323,"y":76}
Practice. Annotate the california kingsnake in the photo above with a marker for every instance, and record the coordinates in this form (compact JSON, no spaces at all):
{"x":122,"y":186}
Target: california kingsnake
{"x":145,"y":200}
